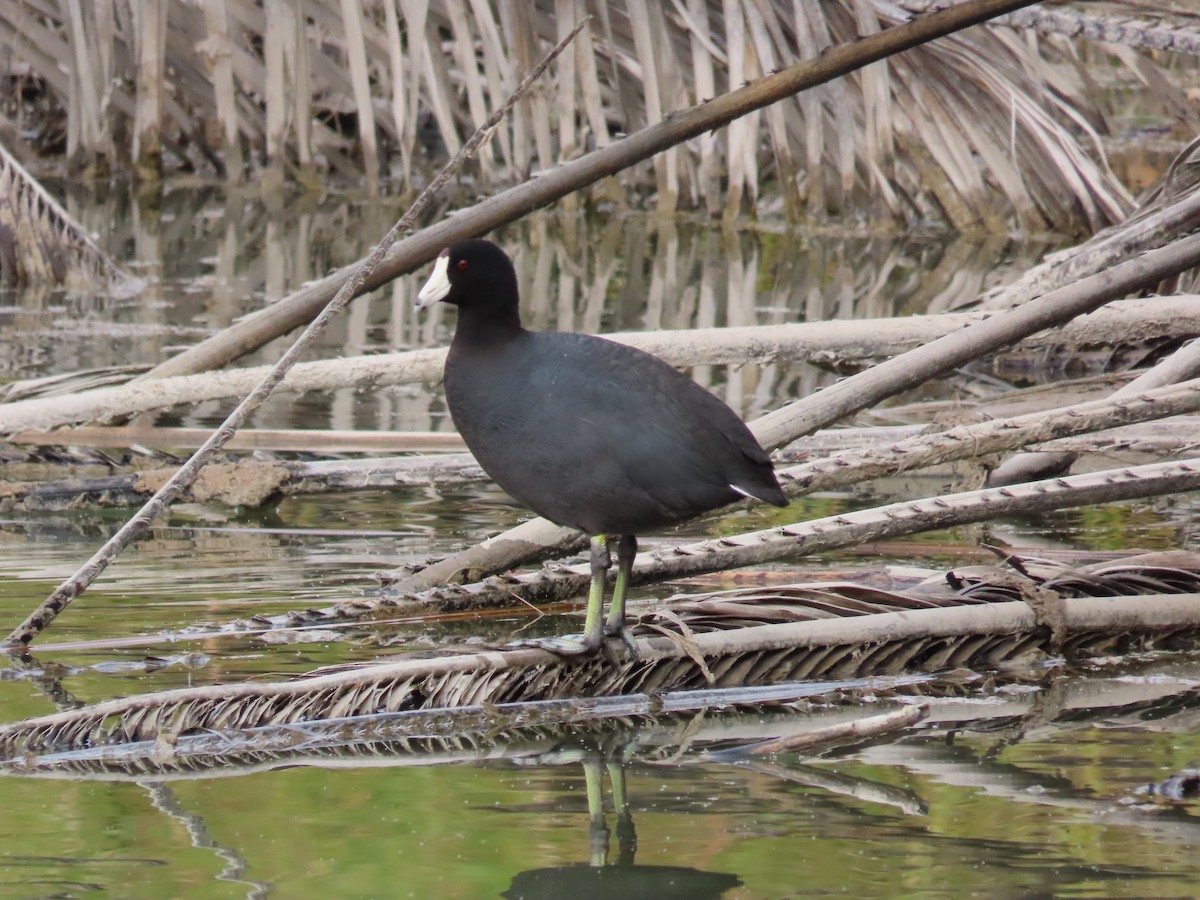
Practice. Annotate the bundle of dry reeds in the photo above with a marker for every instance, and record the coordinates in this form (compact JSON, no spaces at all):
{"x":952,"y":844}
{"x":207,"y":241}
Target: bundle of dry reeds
{"x":986,"y":124}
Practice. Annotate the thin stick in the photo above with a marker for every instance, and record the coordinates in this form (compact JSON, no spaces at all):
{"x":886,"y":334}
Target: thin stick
{"x":156,"y":505}
{"x":308,"y":440}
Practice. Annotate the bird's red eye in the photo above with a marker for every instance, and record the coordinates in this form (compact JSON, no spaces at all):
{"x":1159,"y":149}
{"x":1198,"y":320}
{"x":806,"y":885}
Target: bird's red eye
{"x":462,"y":265}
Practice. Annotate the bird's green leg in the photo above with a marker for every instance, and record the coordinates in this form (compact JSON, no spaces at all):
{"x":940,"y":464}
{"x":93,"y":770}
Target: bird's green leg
{"x":626,"y":833}
{"x":593,"y":633}
{"x":626,"y":551}
{"x":592,"y":638}
{"x":597,"y":827}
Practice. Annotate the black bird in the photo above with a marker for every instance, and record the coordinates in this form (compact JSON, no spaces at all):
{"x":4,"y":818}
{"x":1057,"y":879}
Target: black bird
{"x":586,"y":432}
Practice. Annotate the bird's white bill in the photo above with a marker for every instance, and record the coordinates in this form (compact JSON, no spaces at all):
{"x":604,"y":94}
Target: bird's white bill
{"x":438,"y":285}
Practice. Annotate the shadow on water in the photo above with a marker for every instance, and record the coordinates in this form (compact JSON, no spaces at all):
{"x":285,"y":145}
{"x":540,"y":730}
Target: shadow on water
{"x":1020,"y":785}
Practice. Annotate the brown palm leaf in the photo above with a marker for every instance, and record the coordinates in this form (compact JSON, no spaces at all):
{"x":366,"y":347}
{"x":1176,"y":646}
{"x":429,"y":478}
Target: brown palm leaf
{"x":876,"y":633}
{"x":40,"y":244}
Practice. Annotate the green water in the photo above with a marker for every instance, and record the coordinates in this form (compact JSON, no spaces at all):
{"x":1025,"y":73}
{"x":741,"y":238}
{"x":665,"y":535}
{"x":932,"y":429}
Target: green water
{"x":1011,"y":789}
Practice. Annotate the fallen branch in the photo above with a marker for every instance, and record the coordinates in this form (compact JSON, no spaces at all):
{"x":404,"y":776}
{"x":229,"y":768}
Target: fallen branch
{"x":855,"y":342}
{"x":1002,"y":329}
{"x":1008,"y":403}
{"x":979,"y":440}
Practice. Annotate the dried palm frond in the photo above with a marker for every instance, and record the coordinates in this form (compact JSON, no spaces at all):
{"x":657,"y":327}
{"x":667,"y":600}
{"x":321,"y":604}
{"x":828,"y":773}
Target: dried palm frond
{"x":1140,"y":24}
{"x":677,"y":728}
{"x":39,"y":241}
{"x":863,"y":634}
{"x":512,"y":730}
{"x":1176,"y":572}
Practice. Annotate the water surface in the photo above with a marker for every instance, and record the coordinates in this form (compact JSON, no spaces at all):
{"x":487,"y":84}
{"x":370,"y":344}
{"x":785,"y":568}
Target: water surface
{"x":1014,"y":788}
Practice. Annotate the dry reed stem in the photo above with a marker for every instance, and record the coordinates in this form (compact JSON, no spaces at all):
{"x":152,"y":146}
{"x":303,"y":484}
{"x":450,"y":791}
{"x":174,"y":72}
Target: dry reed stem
{"x":866,"y":142}
{"x":217,"y":50}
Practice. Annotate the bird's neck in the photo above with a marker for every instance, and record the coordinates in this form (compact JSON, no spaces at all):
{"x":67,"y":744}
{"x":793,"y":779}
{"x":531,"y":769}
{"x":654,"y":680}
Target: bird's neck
{"x":492,"y":327}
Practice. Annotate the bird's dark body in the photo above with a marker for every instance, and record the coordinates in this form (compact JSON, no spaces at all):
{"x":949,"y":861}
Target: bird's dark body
{"x":585,"y":432}
{"x":596,"y":435}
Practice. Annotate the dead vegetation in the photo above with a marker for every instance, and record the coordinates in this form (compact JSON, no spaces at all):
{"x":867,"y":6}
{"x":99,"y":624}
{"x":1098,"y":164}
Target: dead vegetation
{"x":796,"y":633}
{"x":41,"y":244}
{"x":804,"y":633}
{"x":997,"y":122}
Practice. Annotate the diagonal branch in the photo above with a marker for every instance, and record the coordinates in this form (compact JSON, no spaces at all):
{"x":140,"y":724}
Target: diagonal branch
{"x":531,"y":540}
{"x":292,"y":312}
{"x":787,"y":542}
{"x":156,"y":505}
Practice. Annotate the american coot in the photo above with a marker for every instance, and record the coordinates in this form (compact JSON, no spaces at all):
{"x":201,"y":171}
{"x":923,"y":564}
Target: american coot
{"x":586,"y":432}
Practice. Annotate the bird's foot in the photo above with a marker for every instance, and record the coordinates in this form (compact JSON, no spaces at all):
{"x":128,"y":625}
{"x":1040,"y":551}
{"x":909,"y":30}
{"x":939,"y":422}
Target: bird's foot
{"x":577,"y":645}
{"x":565,"y":645}
{"x":621,"y":633}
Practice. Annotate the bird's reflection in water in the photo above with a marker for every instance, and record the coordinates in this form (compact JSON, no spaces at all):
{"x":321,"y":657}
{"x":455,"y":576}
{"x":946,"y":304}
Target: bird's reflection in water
{"x":603,"y":877}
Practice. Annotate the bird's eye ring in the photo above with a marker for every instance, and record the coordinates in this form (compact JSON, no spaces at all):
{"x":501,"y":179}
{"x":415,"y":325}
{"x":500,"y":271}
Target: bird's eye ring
{"x":462,"y":265}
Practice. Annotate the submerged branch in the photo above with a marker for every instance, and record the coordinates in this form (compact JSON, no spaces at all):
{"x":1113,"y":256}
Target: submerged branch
{"x":856,"y":730}
{"x":1182,"y":364}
